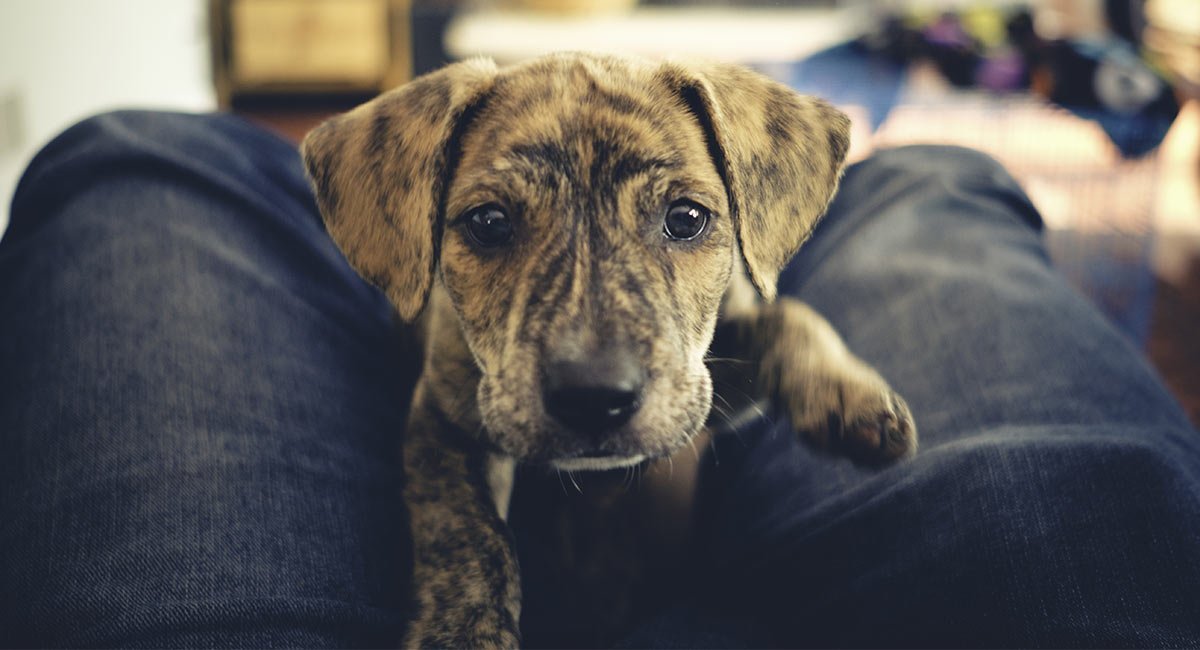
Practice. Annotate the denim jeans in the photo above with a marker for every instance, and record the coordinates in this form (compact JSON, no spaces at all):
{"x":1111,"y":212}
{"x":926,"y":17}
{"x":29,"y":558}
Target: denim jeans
{"x":199,"y":411}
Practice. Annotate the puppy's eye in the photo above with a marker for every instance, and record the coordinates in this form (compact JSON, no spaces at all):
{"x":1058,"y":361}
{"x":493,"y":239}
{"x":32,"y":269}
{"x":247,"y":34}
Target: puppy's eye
{"x":685,"y":221}
{"x":488,"y":226}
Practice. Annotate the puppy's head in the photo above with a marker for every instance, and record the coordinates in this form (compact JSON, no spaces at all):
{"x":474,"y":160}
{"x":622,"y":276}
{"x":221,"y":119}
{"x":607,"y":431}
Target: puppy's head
{"x":585,"y":215}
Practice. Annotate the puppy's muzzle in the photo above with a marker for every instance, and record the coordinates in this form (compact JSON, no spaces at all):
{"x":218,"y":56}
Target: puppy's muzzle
{"x":594,"y":394}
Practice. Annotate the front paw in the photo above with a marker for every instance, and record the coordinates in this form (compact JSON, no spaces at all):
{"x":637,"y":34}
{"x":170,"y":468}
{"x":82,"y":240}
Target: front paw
{"x":855,"y":414}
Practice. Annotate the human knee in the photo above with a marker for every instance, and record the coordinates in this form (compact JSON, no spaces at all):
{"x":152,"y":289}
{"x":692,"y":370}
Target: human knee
{"x":941,"y":159}
{"x":218,"y":157}
{"x":88,"y":152}
{"x":925,"y":176}
{"x":107,"y":133}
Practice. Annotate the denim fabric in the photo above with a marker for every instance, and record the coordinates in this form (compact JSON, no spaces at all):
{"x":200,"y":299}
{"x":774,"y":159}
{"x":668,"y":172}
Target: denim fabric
{"x":199,"y":412}
{"x":1056,"y":497}
{"x":198,"y":406}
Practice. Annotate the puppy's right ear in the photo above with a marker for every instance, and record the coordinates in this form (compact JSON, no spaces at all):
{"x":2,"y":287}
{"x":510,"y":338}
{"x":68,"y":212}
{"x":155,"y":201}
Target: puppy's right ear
{"x":779,"y":153}
{"x":379,"y":171}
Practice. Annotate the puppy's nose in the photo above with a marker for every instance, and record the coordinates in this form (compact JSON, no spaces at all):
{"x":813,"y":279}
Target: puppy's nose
{"x":594,"y":395}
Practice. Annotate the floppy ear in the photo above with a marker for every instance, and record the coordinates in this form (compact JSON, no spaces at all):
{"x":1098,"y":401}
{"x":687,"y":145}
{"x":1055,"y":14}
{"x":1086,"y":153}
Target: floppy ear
{"x":379,"y":171}
{"x":780,"y":154}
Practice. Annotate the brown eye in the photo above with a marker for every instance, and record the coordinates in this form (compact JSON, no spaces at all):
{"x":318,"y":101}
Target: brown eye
{"x":488,"y":226}
{"x":685,"y":221}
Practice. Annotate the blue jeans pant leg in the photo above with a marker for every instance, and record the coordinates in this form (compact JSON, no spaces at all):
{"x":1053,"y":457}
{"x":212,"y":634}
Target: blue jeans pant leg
{"x":199,"y":401}
{"x":1056,"y":497}
{"x":199,"y":405}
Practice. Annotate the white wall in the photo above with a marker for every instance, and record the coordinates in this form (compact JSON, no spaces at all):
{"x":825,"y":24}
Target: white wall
{"x":61,"y":60}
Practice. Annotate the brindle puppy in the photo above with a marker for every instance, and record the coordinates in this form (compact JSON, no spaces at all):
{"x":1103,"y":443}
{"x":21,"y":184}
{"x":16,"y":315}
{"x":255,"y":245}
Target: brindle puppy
{"x":567,"y":233}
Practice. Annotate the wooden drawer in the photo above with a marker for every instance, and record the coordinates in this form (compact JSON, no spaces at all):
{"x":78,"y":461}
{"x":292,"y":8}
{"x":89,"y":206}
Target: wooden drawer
{"x":309,"y":46}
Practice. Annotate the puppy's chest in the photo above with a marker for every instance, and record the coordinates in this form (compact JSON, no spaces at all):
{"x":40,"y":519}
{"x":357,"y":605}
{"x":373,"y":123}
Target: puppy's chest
{"x":599,"y":551}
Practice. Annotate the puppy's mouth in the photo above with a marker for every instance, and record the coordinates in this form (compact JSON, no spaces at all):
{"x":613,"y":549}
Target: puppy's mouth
{"x":596,"y":462}
{"x":517,"y":423}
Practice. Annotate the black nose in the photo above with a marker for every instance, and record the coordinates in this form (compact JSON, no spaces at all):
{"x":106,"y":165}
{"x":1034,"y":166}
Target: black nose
{"x":595,"y":395}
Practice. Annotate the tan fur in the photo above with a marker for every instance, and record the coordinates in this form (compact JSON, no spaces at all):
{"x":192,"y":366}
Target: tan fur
{"x":585,"y":154}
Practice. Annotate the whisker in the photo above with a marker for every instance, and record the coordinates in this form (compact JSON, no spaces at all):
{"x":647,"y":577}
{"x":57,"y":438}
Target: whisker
{"x":571,"y":475}
{"x":723,"y":400}
{"x":750,"y":399}
{"x":725,"y":415}
{"x":734,"y":387}
{"x":726,"y":409}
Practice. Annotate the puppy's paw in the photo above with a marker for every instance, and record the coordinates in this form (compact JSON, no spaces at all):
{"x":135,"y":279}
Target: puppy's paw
{"x":855,"y":414}
{"x":876,"y":430}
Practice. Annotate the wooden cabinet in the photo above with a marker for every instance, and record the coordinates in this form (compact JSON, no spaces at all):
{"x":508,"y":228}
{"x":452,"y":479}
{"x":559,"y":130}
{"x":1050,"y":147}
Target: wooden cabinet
{"x":296,"y":47}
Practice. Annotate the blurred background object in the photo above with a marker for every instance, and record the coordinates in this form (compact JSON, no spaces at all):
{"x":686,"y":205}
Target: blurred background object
{"x":62,"y":60}
{"x":290,"y":63}
{"x":318,"y":48}
{"x":780,"y":32}
{"x":1094,"y":105}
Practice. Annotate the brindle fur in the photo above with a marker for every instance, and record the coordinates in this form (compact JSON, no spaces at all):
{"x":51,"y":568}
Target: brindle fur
{"x":585,"y":153}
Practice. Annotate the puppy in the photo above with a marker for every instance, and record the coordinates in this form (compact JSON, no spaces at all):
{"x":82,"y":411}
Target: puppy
{"x":567,"y":234}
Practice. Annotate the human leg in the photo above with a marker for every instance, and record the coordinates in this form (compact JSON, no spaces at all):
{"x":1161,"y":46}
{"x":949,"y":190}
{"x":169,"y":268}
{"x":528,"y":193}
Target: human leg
{"x":199,"y":400}
{"x":1056,"y":497}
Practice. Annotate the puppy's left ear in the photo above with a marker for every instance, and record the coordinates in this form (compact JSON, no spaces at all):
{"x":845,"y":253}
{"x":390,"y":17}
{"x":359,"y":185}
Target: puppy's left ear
{"x":379,"y":171}
{"x":780,"y":154}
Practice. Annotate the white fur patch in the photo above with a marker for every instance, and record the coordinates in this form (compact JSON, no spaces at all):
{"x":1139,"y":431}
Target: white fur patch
{"x":597,"y":464}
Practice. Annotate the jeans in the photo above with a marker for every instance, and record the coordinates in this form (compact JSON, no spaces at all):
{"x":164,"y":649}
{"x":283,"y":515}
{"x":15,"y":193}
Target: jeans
{"x":199,"y":411}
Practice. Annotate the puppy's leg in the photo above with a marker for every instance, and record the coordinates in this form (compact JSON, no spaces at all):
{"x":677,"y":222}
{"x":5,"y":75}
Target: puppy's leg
{"x":837,"y":401}
{"x":465,"y":578}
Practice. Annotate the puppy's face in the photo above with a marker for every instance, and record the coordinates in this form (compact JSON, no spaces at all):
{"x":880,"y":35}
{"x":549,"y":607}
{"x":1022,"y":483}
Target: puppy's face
{"x":586,"y":249}
{"x":584,"y":214}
